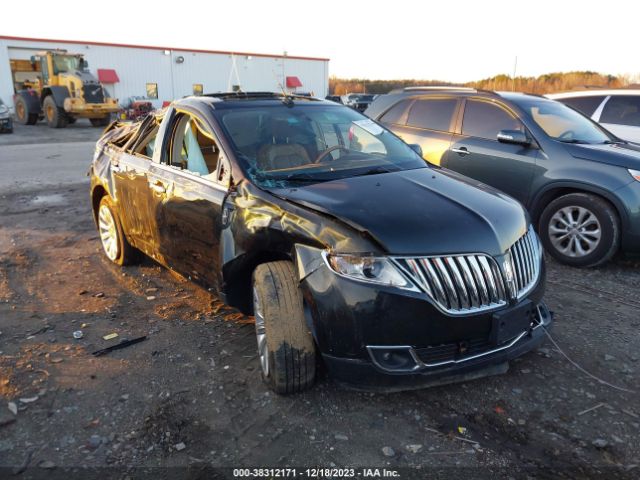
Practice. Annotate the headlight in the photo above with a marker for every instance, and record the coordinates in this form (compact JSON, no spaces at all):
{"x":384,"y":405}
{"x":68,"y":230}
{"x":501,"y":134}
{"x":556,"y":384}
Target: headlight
{"x":367,"y":268}
{"x":635,"y":174}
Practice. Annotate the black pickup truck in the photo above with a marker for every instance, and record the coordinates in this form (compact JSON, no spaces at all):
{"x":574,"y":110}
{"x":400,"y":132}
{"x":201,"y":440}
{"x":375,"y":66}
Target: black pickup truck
{"x":350,"y":251}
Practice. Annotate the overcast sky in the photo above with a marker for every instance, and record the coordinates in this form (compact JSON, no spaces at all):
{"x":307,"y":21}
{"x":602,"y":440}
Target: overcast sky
{"x":447,"y":40}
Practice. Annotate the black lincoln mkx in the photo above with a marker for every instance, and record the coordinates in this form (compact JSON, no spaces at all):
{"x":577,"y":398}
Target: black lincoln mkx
{"x":349,"y":250}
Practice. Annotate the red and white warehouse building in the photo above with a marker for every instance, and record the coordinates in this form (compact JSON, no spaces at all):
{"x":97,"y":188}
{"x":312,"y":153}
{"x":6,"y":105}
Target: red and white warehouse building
{"x":133,"y":70}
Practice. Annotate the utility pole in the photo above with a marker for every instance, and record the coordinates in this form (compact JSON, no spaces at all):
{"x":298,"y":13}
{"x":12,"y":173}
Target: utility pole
{"x":513,"y":80}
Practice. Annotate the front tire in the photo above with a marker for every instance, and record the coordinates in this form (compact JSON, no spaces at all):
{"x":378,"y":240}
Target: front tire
{"x":580,"y":229}
{"x":114,"y":242}
{"x":286,"y":348}
{"x":56,"y":117}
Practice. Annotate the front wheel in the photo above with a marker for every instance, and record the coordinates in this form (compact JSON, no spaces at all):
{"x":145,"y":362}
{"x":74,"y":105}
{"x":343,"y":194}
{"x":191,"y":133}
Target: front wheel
{"x":285,"y":346}
{"x":580,"y":229}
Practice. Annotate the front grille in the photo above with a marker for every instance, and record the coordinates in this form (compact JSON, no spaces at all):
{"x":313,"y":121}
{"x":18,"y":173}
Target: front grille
{"x":525,"y":262}
{"x":463,"y":284}
{"x":93,"y":93}
{"x":449,"y":352}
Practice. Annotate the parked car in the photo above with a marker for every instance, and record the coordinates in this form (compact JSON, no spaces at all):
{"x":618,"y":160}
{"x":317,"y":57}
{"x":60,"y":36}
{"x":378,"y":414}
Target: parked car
{"x":6,"y":122}
{"x":617,"y":110}
{"x":334,"y":98}
{"x":580,"y":183}
{"x":348,"y":249}
{"x":357,"y":101}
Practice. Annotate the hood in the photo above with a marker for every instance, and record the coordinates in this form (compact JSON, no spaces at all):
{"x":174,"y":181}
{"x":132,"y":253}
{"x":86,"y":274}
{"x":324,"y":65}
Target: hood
{"x":419,"y":212}
{"x":625,"y":155}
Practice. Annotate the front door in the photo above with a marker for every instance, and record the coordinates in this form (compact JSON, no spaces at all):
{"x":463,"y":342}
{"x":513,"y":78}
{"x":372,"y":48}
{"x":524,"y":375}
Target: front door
{"x":192,"y":210}
{"x":476,"y":152}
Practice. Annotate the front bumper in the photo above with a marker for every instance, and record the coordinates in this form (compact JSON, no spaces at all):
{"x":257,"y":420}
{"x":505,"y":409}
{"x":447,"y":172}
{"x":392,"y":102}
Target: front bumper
{"x":6,"y":124}
{"x":382,"y":338}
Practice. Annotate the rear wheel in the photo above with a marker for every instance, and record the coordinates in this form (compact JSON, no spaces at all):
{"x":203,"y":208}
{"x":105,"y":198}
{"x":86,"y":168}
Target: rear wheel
{"x":580,"y":229}
{"x":285,"y":346}
{"x":56,"y":116}
{"x":114,"y":242}
{"x":23,"y":115}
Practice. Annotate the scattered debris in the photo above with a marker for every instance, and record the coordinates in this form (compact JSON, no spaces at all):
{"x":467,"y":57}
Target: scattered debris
{"x":110,"y":336}
{"x":151,"y":297}
{"x":340,"y":437}
{"x":600,"y":443}
{"x":180,"y":446}
{"x":94,"y":441}
{"x":630,"y":413}
{"x":118,"y":346}
{"x":388,"y":452}
{"x":99,"y":295}
{"x":414,"y":448}
{"x":462,"y":430}
{"x":595,"y":407}
{"x":6,"y":418}
{"x":78,"y":334}
{"x":47,"y":464}
{"x":83,"y":292}
{"x":13,"y":408}
{"x":29,"y":399}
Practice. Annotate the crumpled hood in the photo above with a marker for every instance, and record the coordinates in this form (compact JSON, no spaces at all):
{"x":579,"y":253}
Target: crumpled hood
{"x":419,"y":212}
{"x":625,"y":155}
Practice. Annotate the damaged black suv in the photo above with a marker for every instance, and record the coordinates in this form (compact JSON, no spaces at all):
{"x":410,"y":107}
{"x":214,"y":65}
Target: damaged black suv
{"x":351,"y":252}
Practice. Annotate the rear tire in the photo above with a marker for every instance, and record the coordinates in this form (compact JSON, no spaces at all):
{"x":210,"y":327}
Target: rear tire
{"x":114,"y":242}
{"x":286,"y":348}
{"x":580,"y":229}
{"x":55,"y":116}
{"x":23,"y":115}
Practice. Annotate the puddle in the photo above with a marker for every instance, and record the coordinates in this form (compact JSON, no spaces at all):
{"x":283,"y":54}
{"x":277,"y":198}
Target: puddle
{"x":50,"y":199}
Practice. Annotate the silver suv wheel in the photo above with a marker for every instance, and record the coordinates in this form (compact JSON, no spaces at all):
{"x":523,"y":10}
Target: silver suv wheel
{"x":575,"y":231}
{"x":261,"y":334}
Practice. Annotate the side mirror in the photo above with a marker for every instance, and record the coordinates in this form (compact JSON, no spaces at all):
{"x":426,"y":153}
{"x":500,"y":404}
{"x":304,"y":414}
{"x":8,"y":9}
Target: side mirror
{"x":515,"y":137}
{"x":416,"y":148}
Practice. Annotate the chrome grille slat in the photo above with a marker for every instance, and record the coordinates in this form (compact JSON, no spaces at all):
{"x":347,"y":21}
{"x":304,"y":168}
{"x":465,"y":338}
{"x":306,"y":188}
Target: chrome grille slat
{"x":472,"y":283}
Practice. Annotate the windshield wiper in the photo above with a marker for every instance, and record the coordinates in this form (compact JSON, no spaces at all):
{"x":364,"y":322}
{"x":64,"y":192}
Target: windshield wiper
{"x":376,"y":171}
{"x":299,"y":177}
{"x":574,"y":140}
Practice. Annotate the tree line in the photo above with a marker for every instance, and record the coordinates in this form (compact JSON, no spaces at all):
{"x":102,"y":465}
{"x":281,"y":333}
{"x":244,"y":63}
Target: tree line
{"x":547,"y":83}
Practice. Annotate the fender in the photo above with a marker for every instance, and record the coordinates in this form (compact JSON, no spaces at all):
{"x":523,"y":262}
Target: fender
{"x":58,"y":93}
{"x":30,"y":97}
{"x":537,"y":207}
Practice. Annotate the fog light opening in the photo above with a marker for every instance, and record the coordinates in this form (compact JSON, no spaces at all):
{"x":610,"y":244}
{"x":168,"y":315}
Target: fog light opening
{"x":393,"y":359}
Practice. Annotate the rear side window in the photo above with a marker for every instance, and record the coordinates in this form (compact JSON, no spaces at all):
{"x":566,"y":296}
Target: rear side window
{"x":622,"y":110}
{"x":432,"y":113}
{"x":585,"y":105}
{"x":485,"y":120}
{"x":395,"y":113}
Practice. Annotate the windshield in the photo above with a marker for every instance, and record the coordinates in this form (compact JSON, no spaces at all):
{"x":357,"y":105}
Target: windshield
{"x":565,"y":124}
{"x":282,"y":145}
{"x":66,"y":63}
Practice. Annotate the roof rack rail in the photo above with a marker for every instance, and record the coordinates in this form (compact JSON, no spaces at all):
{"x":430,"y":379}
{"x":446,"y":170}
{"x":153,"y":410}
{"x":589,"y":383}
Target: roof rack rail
{"x":254,"y":95}
{"x":439,"y":87}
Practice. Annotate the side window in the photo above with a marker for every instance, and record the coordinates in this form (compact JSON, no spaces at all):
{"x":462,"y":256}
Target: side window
{"x":152,"y":90}
{"x":586,"y":105}
{"x":433,"y":114}
{"x":192,"y":146}
{"x":622,"y":110}
{"x":484,"y":120}
{"x":395,"y":113}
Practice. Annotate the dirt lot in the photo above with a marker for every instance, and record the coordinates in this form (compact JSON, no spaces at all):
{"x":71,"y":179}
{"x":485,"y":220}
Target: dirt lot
{"x":191,"y":394}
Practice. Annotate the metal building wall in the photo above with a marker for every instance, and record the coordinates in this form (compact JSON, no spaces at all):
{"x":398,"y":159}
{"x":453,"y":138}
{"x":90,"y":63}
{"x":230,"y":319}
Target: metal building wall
{"x":138,"y":66}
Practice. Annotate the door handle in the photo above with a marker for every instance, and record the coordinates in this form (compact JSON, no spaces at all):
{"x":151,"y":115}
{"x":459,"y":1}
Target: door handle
{"x":158,"y":186}
{"x":461,"y":150}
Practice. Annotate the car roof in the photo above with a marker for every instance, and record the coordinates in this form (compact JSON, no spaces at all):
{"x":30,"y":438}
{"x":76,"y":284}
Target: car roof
{"x":230,"y":100}
{"x":595,"y":92}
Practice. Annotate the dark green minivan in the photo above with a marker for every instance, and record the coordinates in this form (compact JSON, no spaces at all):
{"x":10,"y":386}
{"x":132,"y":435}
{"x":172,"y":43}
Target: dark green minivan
{"x":580,"y":183}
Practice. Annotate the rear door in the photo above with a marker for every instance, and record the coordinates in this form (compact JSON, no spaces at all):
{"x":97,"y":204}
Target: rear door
{"x":621,"y":116}
{"x":476,"y":152}
{"x":193,"y":180}
{"x":425,"y":121}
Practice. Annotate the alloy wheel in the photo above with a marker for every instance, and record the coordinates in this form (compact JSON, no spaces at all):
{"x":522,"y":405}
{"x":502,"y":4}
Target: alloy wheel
{"x":261,"y":334}
{"x":575,"y":231}
{"x":108,"y":232}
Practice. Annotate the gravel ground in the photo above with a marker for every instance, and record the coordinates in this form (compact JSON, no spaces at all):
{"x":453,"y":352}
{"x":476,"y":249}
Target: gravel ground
{"x":190,"y":395}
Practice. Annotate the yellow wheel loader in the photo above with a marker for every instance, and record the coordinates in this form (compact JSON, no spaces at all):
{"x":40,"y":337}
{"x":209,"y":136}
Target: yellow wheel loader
{"x":61,"y":90}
